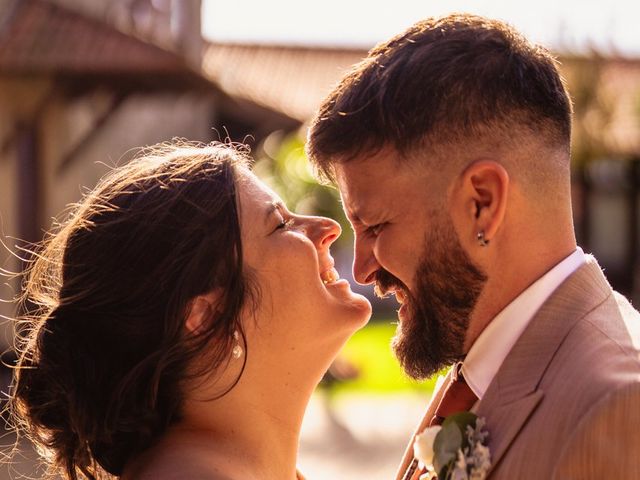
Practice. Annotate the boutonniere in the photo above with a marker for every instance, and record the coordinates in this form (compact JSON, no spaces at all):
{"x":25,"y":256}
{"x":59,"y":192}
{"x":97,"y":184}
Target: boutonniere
{"x":456,"y":450}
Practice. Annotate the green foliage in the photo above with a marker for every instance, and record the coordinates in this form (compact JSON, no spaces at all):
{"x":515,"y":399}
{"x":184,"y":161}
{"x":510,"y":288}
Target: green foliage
{"x":369,"y":350}
{"x":283,"y":165}
{"x":451,"y":438}
{"x":445,"y":448}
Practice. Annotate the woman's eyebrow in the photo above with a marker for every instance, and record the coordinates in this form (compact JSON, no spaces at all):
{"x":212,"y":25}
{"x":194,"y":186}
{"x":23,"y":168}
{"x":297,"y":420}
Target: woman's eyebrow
{"x":273,"y":206}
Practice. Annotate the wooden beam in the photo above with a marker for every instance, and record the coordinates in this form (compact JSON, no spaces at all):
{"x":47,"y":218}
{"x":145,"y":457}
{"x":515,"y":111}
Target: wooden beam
{"x":74,"y":153}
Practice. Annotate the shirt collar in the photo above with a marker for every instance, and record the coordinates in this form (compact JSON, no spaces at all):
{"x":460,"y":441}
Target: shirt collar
{"x":496,"y":340}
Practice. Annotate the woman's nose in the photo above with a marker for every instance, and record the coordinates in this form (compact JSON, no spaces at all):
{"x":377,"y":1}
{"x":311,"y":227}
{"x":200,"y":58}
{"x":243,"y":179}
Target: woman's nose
{"x":323,"y":231}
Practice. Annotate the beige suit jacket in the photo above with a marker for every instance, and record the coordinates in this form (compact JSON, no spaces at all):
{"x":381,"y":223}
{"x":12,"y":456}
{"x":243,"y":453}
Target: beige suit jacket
{"x":565,"y":404}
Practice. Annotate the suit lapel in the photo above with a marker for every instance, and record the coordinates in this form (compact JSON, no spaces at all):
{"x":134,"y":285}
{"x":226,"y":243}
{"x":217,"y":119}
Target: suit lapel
{"x":517,"y":413}
{"x":424,"y":423}
{"x":514,"y":393}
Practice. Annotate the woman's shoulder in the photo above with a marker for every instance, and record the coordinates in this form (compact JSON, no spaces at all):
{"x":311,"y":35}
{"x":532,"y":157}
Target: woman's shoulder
{"x":176,"y":472}
{"x":177,"y":463}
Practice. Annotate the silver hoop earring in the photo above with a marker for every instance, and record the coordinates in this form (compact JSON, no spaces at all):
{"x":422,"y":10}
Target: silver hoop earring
{"x":481,"y":240}
{"x":237,"y":351}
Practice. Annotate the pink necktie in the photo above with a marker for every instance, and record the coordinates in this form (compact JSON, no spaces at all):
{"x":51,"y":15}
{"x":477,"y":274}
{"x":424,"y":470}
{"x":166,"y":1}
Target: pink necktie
{"x":457,"y":397}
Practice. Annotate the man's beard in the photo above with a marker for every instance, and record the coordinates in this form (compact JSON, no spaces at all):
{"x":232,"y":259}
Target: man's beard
{"x":432,"y":331}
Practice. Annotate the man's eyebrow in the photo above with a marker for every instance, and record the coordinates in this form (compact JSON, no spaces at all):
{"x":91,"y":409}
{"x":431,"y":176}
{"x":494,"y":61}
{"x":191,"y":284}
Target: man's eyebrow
{"x":355,"y":213}
{"x":364,"y":216}
{"x":361,"y":213}
{"x":354,"y":216}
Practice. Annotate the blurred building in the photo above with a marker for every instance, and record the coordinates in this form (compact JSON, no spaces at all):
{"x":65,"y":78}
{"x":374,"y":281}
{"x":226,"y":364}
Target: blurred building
{"x":81,"y":85}
{"x":606,"y":163}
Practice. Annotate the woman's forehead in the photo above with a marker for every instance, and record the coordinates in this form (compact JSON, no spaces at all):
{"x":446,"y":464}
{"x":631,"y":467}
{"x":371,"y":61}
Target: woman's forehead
{"x":257,"y":202}
{"x":255,"y":191}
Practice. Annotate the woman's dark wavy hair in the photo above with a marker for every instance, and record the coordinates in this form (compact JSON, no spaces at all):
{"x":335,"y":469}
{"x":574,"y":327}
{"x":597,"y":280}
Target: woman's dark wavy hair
{"x":104,"y":356}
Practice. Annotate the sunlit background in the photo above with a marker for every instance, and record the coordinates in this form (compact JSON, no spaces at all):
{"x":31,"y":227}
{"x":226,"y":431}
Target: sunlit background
{"x":568,"y":26}
{"x":84,"y":82}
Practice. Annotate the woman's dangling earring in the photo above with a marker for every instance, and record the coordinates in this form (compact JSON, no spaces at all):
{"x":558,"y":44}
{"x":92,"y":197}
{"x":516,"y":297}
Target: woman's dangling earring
{"x":481,"y":240}
{"x":237,"y":351}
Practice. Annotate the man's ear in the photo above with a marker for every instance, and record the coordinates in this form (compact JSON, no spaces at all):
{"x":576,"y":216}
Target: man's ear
{"x":202,"y":310}
{"x":483,"y":191}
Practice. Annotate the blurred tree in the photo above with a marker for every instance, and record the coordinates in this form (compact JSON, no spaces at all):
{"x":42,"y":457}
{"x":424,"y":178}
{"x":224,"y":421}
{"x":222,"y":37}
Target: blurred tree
{"x":282,"y":163}
{"x":593,"y":111}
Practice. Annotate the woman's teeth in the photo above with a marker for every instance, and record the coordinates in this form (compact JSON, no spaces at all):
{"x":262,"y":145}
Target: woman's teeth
{"x":330,"y":276}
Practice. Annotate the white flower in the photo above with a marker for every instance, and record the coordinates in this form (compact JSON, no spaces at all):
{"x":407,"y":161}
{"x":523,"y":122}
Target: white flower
{"x":481,"y":462}
{"x":423,"y":445}
{"x":460,"y":468}
{"x":472,"y":460}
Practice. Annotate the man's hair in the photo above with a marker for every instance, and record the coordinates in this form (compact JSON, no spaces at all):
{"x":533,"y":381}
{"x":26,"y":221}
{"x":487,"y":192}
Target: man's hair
{"x":444,"y":80}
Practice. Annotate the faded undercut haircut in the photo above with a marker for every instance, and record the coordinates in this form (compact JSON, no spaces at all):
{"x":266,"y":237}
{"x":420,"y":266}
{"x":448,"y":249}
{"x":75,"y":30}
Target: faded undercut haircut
{"x":459,"y":78}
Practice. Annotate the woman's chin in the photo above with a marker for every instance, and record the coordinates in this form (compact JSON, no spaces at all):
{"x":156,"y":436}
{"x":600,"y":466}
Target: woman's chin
{"x":354,"y":312}
{"x":358,"y":304}
{"x":365,"y":309}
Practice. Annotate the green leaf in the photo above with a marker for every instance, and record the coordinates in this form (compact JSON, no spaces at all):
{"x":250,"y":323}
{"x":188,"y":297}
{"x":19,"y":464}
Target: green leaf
{"x":446,"y":445}
{"x":461,"y":420}
{"x":450,"y":439}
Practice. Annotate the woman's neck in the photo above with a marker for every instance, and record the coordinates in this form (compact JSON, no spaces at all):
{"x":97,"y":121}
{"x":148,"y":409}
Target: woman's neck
{"x":251,"y":432}
{"x":255,"y":430}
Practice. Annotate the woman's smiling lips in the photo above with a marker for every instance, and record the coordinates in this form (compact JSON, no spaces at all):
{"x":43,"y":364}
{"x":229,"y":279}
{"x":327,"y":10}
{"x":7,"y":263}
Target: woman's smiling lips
{"x":329,"y":276}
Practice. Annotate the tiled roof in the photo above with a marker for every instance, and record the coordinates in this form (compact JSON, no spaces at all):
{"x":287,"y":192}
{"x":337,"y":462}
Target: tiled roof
{"x":290,"y":79}
{"x":37,"y":36}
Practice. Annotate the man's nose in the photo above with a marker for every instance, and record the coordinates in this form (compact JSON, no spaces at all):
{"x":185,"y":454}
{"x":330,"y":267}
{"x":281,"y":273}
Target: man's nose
{"x":322,"y":231}
{"x":365,"y":264}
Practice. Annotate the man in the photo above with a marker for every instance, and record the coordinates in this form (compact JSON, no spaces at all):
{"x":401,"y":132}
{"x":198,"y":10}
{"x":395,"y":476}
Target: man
{"x":450,"y":146}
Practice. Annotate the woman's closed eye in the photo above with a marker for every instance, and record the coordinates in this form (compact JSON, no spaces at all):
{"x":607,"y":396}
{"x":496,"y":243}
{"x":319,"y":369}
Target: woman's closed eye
{"x":285,"y":224}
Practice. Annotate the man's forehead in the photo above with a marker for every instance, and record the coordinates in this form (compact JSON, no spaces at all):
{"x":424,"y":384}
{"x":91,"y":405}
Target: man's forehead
{"x":356,"y":175}
{"x":352,"y":207}
{"x":358,"y":194}
{"x":372,"y":165}
{"x":351,"y":185}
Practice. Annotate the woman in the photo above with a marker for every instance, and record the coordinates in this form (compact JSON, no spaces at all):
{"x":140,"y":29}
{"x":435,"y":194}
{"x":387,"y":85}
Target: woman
{"x":184,"y":317}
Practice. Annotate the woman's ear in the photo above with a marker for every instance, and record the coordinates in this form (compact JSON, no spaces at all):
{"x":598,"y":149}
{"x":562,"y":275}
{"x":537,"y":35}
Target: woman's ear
{"x":483,"y":193}
{"x":201,"y":311}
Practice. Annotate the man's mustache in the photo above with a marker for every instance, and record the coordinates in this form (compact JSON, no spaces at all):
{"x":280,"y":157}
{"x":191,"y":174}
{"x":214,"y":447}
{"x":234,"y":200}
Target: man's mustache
{"x":386,"y":283}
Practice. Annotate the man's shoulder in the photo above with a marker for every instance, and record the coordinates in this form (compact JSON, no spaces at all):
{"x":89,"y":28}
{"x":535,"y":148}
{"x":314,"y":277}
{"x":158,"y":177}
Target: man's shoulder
{"x":600,"y":443}
{"x":616,"y":312}
{"x":612,"y":327}
{"x":588,"y":388}
{"x":602,"y":349}
{"x":594,"y":366}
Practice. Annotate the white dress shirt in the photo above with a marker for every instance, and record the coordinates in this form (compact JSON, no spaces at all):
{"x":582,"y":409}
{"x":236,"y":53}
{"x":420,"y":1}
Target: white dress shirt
{"x":500,"y":335}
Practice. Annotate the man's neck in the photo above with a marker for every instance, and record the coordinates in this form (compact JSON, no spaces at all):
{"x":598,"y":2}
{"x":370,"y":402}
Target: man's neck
{"x":505,"y":284}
